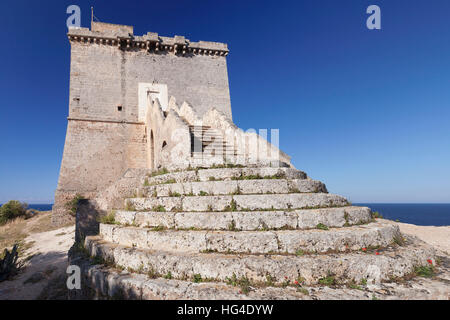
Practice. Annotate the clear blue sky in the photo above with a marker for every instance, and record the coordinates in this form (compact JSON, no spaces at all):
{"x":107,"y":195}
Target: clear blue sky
{"x":367,"y":112}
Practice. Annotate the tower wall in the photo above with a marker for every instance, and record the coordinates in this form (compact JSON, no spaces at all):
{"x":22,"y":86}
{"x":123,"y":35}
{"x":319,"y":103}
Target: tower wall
{"x":105,"y":135}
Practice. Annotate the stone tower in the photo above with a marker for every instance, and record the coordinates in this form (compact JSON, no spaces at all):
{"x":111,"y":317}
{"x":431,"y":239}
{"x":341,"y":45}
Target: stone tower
{"x":191,"y":206}
{"x":111,"y":74}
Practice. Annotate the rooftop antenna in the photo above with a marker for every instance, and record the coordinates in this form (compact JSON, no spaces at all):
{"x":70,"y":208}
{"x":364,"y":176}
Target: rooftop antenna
{"x":93,"y":16}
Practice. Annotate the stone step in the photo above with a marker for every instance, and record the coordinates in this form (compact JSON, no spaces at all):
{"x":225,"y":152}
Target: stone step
{"x":225,"y":174}
{"x":260,"y":186}
{"x":255,"y":242}
{"x":110,"y":283}
{"x":392,"y":262}
{"x":216,"y":153}
{"x":222,"y":156}
{"x":238,"y":202}
{"x":247,"y":221}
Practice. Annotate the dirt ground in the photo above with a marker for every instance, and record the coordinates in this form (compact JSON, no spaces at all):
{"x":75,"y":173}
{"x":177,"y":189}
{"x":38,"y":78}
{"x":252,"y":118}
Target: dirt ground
{"x":44,"y":252}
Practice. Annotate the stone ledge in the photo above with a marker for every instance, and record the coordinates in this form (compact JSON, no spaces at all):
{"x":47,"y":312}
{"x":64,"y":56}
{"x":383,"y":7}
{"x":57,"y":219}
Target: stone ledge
{"x":247,"y":220}
{"x":377,"y":234}
{"x":239,"y":202}
{"x":393,"y":262}
{"x":258,"y":186}
{"x":110,"y":283}
{"x":223,"y":174}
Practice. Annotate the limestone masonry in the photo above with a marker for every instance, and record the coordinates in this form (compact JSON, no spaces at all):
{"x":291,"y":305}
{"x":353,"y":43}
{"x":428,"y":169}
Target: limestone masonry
{"x":106,"y":132}
{"x":179,"y":203}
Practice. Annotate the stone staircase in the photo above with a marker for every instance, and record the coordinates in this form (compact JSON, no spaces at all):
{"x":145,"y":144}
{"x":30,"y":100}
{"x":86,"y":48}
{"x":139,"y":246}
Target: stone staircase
{"x":209,"y":142}
{"x":244,"y":232}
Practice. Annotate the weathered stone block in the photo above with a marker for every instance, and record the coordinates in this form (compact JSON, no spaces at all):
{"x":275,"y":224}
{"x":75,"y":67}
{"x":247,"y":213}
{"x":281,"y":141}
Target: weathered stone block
{"x":204,"y":220}
{"x":306,"y":185}
{"x":260,"y":220}
{"x":243,"y":241}
{"x":131,"y":236}
{"x":107,"y":231}
{"x":214,"y":187}
{"x":263,"y":186}
{"x":206,"y":203}
{"x":177,"y":241}
{"x":155,"y":219}
{"x":125,"y":217}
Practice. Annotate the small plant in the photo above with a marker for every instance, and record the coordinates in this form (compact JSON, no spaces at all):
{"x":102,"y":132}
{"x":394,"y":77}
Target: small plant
{"x":129,"y":206}
{"x":151,"y":273}
{"x":363,"y":282}
{"x":177,"y":209}
{"x":159,"y":208}
{"x":146,"y":183}
{"x":212,"y":179}
{"x":300,"y":280}
{"x":398,"y":240}
{"x":264,"y":226}
{"x":109,"y":218}
{"x":158,"y":228}
{"x":329,"y":280}
{"x":270,"y":280}
{"x":197,"y":278}
{"x":9,"y":265}
{"x":72,"y":205}
{"x":208,"y":251}
{"x":155,"y":194}
{"x":232,"y":281}
{"x":321,"y":226}
{"x":174,"y":194}
{"x":231,"y":207}
{"x":236,"y":192}
{"x":353,"y":285}
{"x":346,"y":217}
{"x":232,"y":226}
{"x":286,"y":282}
{"x":99,"y":260}
{"x":168,"y":275}
{"x":159,"y":172}
{"x":303,"y":290}
{"x":376,"y":215}
{"x":244,"y":284}
{"x":299,"y":252}
{"x":425,"y":271}
{"x":210,"y":208}
{"x":203,"y":193}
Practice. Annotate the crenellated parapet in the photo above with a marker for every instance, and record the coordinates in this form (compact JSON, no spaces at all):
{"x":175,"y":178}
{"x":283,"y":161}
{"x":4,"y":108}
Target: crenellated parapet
{"x":123,"y":37}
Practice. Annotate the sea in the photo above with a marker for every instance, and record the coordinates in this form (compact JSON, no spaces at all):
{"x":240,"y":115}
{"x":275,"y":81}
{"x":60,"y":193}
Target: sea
{"x":423,"y":214}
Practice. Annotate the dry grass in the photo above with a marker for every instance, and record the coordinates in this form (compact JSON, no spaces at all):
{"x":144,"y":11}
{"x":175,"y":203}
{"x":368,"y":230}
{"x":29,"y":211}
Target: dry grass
{"x":17,"y":230}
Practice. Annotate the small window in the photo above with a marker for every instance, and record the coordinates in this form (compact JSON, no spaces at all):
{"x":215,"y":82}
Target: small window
{"x":119,"y":108}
